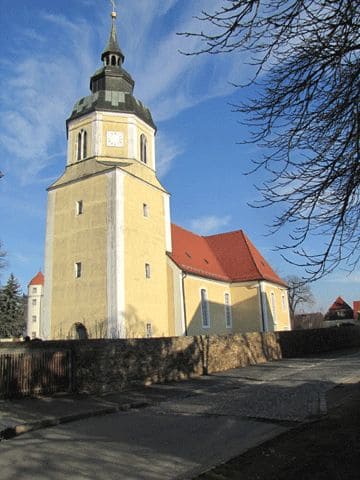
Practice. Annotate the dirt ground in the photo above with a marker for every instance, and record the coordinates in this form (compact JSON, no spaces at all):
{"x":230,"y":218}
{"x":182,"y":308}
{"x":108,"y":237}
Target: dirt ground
{"x":326,"y":448}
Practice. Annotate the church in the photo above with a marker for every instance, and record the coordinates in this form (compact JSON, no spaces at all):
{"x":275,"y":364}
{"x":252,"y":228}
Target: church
{"x":115,"y":265}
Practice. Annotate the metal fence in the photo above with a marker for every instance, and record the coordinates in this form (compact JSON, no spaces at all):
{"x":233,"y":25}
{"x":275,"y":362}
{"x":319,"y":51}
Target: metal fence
{"x":34,"y":373}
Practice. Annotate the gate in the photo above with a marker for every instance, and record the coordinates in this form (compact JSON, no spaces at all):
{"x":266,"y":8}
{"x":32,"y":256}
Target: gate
{"x":34,"y":372}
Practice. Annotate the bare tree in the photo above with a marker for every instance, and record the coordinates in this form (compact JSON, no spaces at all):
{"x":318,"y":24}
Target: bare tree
{"x":305,"y":55}
{"x":299,"y":294}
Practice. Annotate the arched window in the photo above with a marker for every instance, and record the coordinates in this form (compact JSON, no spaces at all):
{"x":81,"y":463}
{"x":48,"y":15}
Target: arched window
{"x":78,"y":332}
{"x":82,"y":145}
{"x":143,"y":148}
{"x":113,"y":60}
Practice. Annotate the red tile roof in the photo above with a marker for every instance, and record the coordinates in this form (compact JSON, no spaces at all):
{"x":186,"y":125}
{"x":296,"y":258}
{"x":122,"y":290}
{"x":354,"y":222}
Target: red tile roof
{"x":228,"y":256}
{"x":340,"y":304}
{"x":38,"y":279}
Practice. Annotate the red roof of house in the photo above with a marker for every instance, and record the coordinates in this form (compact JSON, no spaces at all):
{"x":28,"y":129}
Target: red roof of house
{"x":340,"y":304}
{"x":38,"y":279}
{"x":227,"y":256}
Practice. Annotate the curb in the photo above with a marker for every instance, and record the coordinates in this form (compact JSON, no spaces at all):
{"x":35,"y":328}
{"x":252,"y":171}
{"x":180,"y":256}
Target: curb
{"x":12,"y":432}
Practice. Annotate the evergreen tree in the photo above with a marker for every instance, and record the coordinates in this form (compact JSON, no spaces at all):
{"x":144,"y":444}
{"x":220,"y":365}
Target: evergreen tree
{"x":12,"y":321}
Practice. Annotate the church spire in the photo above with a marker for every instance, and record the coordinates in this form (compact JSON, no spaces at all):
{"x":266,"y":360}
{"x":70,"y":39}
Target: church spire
{"x":112,"y":54}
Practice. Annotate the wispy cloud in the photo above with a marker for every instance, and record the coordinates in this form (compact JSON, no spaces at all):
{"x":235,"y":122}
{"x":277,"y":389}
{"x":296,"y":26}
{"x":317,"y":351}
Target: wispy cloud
{"x":167,"y":151}
{"x":207,"y":225}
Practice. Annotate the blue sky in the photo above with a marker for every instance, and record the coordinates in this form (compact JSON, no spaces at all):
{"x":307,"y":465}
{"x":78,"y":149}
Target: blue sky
{"x":49,"y":50}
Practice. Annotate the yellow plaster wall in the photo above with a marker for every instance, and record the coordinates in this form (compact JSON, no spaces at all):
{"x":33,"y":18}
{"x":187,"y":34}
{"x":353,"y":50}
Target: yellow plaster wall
{"x":215,"y":292}
{"x":246,"y":307}
{"x":115,"y":124}
{"x":282,"y":320}
{"x":144,"y":242}
{"x":79,"y":238}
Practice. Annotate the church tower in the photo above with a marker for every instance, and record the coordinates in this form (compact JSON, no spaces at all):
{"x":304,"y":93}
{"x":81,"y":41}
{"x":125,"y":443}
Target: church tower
{"x":108,"y":218}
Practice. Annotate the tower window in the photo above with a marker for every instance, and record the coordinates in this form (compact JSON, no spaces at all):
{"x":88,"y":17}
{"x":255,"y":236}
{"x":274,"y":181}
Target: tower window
{"x":145,"y":209}
{"x":33,"y":318}
{"x":34,"y":301}
{"x":34,"y":290}
{"x":78,"y":269}
{"x":82,"y":145}
{"x":79,"y":207}
{"x":147,"y":270}
{"x":143,"y":148}
{"x":205,"y":308}
{"x":113,"y":60}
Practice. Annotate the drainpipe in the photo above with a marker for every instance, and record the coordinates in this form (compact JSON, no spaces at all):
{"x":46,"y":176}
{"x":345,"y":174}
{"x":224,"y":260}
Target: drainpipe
{"x":183,"y":276}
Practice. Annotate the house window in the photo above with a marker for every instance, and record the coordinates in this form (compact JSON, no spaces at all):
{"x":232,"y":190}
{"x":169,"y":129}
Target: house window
{"x":148,"y":330}
{"x":34,"y":301}
{"x":77,"y":269}
{"x":227,"y":304}
{"x":145,"y":209}
{"x":82,"y":145}
{"x":143,"y":148}
{"x":205,"y":308}
{"x":283,"y":302}
{"x":34,"y":290}
{"x":33,"y":318}
{"x":33,"y":334}
{"x":79,"y":207}
{"x":273,"y":306}
{"x":147,"y":270}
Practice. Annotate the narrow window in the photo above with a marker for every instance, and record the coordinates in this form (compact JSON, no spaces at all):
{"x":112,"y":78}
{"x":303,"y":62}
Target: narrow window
{"x":228,"y":317}
{"x":84,"y":149}
{"x":273,"y":306}
{"x":113,"y":60}
{"x":148,"y":330}
{"x":79,"y":146}
{"x":34,"y":301}
{"x":143,"y":148}
{"x":145,"y":209}
{"x":34,"y":318}
{"x":79,"y":207}
{"x":283,"y":302}
{"x":34,"y":290}
{"x":205,"y":308}
{"x":33,"y":334}
{"x":77,"y":269}
{"x":147,"y":270}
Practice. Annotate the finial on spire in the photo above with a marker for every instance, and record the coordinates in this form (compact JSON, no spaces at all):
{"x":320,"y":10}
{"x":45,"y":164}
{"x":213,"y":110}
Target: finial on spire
{"x":113,"y":13}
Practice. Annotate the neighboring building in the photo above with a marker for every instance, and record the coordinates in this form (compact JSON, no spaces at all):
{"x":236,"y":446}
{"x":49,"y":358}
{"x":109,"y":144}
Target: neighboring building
{"x":114,"y":265}
{"x":356,"y":309}
{"x":35,"y":305}
{"x":339,"y":310}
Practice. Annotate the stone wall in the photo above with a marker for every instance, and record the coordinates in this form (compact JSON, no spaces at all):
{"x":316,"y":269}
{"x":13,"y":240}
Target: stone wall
{"x":298,"y":343}
{"x":100,"y":366}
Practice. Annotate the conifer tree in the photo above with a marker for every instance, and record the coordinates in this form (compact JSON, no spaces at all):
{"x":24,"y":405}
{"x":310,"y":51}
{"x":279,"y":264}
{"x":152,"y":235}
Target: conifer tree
{"x":12,"y":321}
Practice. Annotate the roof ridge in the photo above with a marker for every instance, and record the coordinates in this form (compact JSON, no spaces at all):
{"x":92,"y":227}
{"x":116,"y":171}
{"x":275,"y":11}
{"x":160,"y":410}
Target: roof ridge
{"x":247,"y":241}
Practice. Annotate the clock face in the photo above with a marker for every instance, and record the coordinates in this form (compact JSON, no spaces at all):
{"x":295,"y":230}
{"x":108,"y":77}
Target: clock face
{"x":114,"y":139}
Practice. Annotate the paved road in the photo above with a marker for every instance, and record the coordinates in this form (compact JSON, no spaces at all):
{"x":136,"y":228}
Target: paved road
{"x":213,"y":419}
